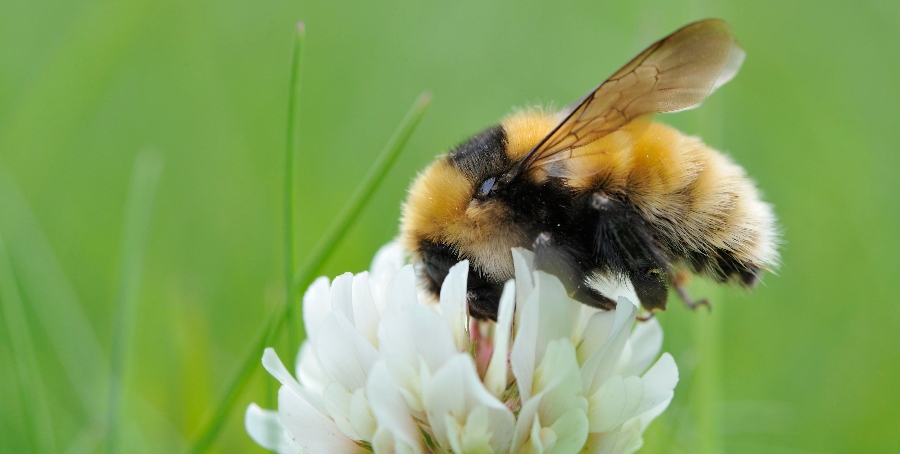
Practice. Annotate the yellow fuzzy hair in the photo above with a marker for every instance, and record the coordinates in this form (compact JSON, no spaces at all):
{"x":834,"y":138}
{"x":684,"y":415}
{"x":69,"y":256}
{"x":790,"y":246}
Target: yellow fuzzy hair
{"x":438,"y":209}
{"x":697,"y":196}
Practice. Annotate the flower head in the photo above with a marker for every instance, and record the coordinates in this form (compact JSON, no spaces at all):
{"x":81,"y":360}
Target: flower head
{"x":383,"y":370}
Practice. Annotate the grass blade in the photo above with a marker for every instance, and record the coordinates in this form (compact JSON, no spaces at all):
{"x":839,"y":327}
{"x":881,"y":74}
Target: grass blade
{"x":705,"y":399}
{"x":34,"y":399}
{"x":290,"y":247}
{"x":50,"y":297}
{"x":147,"y":168}
{"x":363,"y":192}
{"x":707,"y":326}
{"x":311,"y":266}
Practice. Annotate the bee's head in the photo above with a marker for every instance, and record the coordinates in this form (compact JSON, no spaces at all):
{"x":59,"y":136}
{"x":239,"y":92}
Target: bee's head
{"x":456,"y":208}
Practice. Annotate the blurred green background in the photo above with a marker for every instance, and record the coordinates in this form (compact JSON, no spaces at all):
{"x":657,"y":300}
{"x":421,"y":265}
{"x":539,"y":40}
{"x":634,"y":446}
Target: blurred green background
{"x":809,"y":362}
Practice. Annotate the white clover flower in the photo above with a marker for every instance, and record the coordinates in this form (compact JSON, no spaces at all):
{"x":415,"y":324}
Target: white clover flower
{"x":383,"y":371}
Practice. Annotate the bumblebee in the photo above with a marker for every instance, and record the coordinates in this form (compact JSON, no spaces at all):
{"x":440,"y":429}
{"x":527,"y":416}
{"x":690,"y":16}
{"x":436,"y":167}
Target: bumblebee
{"x":599,"y":189}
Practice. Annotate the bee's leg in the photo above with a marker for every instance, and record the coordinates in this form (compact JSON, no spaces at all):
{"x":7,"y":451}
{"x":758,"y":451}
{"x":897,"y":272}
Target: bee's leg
{"x":645,"y":317}
{"x":678,"y":280}
{"x":747,"y":274}
{"x":564,"y":262}
{"x":586,"y":295}
{"x":482,"y":294}
{"x":691,"y":303}
{"x":625,"y":242}
{"x":650,"y":289}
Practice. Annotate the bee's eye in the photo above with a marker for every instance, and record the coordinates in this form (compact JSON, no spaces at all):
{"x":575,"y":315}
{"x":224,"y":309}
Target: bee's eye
{"x":487,"y":186}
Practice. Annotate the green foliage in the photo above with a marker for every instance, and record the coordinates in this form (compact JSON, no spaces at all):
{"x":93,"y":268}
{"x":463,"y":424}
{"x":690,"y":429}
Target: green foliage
{"x":313,"y":264}
{"x":807,"y":362}
{"x":147,"y":168}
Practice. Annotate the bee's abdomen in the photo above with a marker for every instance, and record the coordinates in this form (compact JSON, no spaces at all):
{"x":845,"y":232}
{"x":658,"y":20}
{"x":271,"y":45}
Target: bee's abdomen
{"x":700,"y":206}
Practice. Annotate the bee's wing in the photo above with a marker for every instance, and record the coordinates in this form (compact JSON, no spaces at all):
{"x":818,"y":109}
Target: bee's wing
{"x":675,"y":73}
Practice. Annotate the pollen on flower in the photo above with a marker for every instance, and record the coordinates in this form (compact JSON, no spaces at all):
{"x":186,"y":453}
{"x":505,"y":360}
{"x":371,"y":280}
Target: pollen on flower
{"x":382,"y":370}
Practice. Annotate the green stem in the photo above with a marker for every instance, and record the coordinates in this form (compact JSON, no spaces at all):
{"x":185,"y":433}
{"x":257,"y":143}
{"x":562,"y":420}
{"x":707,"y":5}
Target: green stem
{"x":147,"y":168}
{"x":706,"y":396}
{"x":364,"y":191}
{"x":61,"y":317}
{"x":290,"y":256}
{"x":310,"y":267}
{"x":707,"y":325}
{"x":34,"y":400}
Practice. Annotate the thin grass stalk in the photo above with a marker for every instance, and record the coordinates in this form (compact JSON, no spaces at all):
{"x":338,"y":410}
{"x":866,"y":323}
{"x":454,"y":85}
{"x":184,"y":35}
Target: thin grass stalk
{"x":310,"y":268}
{"x":145,"y":177}
{"x":291,"y":144}
{"x":364,"y":191}
{"x":707,"y":325}
{"x":50,"y":298}
{"x":705,"y":399}
{"x":35,"y":408}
